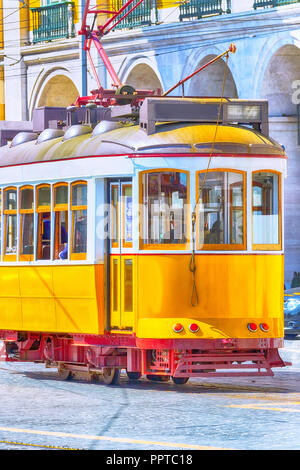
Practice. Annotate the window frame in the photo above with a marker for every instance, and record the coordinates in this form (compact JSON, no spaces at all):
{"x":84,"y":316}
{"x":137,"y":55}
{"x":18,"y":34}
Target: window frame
{"x":40,"y":210}
{"x":21,"y":213}
{"x":7,"y":212}
{"x":166,"y":246}
{"x":59,"y":208}
{"x":265,"y":246}
{"x":114,"y":244}
{"x":223,"y":246}
{"x":73,"y":209}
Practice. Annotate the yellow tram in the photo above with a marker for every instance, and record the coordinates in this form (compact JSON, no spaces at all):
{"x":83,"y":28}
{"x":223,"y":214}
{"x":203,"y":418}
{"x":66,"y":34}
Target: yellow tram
{"x":155,"y":247}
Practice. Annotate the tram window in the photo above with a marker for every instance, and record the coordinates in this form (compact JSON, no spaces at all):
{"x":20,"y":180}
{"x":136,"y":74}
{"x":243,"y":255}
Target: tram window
{"x":165,"y":197}
{"x":79,"y":220}
{"x":114,"y":215}
{"x":26,"y":223}
{"x":44,"y":196}
{"x":10,"y":221}
{"x":265,"y":208}
{"x":221,"y":210}
{"x":127,"y":215}
{"x":43,"y":208}
{"x":61,"y":221}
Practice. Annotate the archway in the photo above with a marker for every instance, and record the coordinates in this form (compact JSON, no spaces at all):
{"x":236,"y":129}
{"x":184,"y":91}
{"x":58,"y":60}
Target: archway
{"x":209,"y":81}
{"x":281,"y":73}
{"x":58,"y":91}
{"x":143,"y":77}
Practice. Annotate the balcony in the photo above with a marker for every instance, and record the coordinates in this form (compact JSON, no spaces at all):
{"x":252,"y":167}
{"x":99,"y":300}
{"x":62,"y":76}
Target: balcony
{"x":144,"y":15}
{"x":272,"y":3}
{"x":53,"y":22}
{"x":196,"y":9}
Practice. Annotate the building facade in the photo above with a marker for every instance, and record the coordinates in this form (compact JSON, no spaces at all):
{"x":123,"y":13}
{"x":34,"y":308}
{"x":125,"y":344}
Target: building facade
{"x":42,"y":64}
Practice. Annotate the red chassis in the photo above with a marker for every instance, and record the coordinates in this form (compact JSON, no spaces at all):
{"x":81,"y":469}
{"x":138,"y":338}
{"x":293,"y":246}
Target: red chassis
{"x":228,"y":357}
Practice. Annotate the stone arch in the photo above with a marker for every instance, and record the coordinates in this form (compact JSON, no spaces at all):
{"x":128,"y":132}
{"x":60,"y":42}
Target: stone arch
{"x":281,"y":72}
{"x":141,"y":74}
{"x":55,"y":87}
{"x":209,"y":81}
{"x":58,"y":91}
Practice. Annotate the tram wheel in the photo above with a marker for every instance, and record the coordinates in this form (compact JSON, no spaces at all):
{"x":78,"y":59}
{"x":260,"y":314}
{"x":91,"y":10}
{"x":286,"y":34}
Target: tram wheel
{"x":64,"y":374}
{"x":180,"y":380}
{"x":158,"y":378}
{"x":110,"y":375}
{"x":133,"y":375}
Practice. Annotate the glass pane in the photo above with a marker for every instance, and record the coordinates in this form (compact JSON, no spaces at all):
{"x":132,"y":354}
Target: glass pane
{"x":128,"y":291}
{"x":27,"y":198}
{"x":114,"y":213}
{"x":44,"y":235}
{"x":11,"y":199}
{"x":127,"y":201}
{"x":61,"y":195}
{"x":79,"y":243}
{"x":265,"y":206}
{"x":79,"y":195}
{"x":44,"y":196}
{"x":164,"y":202}
{"x":61,"y":235}
{"x":221,"y":209}
{"x":115,"y":285}
{"x":27,"y":234}
{"x":11,"y":235}
{"x":213,"y":200}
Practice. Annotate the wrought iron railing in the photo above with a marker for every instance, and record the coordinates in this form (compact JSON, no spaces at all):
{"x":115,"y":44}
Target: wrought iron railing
{"x":272,"y":3}
{"x":144,"y":15}
{"x":196,"y":9}
{"x":53,"y":22}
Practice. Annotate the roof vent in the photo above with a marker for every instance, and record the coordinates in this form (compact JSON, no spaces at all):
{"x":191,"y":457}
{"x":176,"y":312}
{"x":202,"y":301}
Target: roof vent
{"x":23,"y":137}
{"x":105,"y":126}
{"x":49,"y":134}
{"x":77,"y":130}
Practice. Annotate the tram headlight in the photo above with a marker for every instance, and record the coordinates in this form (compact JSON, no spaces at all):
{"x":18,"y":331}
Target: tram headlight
{"x":264,"y":327}
{"x":194,"y":327}
{"x":178,"y":328}
{"x":252,"y":327}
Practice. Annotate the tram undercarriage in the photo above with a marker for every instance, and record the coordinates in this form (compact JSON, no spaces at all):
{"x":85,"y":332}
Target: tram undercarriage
{"x":107,"y":355}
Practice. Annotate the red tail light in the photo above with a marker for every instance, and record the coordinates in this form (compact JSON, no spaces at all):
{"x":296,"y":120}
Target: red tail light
{"x":194,"y":327}
{"x":264,"y":327}
{"x":178,"y":328}
{"x":252,"y":327}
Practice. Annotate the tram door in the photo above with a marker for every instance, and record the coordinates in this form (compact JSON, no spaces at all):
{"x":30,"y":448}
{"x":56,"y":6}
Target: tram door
{"x":121,"y":255}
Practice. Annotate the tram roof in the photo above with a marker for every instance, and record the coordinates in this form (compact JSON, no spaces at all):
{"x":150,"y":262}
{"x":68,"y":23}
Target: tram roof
{"x":169,"y":138}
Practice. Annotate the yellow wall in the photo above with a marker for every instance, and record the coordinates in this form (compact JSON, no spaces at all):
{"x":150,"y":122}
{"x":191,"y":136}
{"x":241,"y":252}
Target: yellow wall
{"x":1,"y":24}
{"x":24,"y":15}
{"x":2,"y":95}
{"x":52,"y":298}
